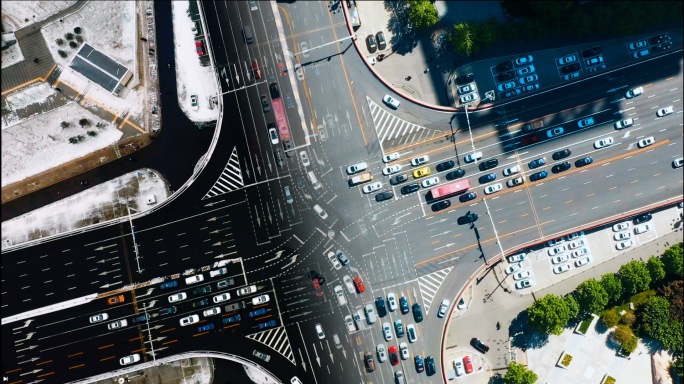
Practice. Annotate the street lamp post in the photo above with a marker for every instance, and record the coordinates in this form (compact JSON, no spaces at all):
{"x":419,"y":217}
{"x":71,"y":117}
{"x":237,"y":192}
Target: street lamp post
{"x":453,"y":140}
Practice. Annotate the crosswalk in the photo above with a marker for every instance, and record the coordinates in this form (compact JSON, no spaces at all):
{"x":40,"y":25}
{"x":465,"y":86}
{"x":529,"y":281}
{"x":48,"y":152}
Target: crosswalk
{"x":230,"y":179}
{"x":429,"y":285}
{"x":394,"y":131}
{"x":276,"y":339}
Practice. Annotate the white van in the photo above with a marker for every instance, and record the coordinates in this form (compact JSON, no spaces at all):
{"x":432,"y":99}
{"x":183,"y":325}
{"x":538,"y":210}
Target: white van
{"x":218,"y":272}
{"x":473,"y":157}
{"x":314,"y":181}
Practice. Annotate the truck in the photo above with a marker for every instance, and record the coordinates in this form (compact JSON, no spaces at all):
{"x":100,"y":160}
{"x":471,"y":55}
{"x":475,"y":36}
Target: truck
{"x":361,"y":178}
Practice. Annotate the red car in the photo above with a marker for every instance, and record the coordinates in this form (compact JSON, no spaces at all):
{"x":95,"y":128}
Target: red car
{"x":256,"y":69}
{"x":199,"y":47}
{"x":529,"y":140}
{"x":359,"y":285}
{"x":468,"y":364}
{"x":394,"y":357}
{"x":317,"y":286}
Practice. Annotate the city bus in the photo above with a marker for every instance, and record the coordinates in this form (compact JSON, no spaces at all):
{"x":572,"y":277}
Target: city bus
{"x":449,"y":189}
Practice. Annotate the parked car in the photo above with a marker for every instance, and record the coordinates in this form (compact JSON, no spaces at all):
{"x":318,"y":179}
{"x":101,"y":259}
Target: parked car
{"x":467,"y":197}
{"x":538,"y":176}
{"x":585,"y":122}
{"x":536,"y":163}
{"x":493,"y":188}
{"x":455,"y":174}
{"x":479,"y":345}
{"x":441,"y":167}
{"x":371,"y":44}
{"x":624,"y":123}
{"x":561,"y":167}
{"x":504,"y":66}
{"x":567,"y":60}
{"x":554,"y":132}
{"x":584,"y":161}
{"x":523,"y":60}
{"x":561,"y":154}
{"x":380,"y":37}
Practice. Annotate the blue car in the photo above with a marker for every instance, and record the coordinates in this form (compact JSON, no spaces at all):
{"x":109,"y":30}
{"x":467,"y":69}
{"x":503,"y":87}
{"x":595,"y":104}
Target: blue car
{"x":538,"y":176}
{"x":583,"y":162}
{"x":268,"y":324}
{"x":420,"y":366}
{"x":536,"y":163}
{"x":232,"y":319}
{"x":430,"y":365}
{"x":403,"y":305}
{"x":487,"y":178}
{"x":205,"y":328}
{"x":168,"y":284}
{"x":417,"y":312}
{"x":380,"y":304}
{"x":258,"y":312}
{"x":140,"y":319}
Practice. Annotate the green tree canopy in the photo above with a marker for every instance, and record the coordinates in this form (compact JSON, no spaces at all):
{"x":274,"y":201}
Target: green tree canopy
{"x":674,"y":293}
{"x":591,"y":296}
{"x":634,"y":277}
{"x":658,"y":324}
{"x":549,"y":315}
{"x":656,"y":269}
{"x":673,"y":259}
{"x":519,"y":374}
{"x":461,"y":38}
{"x":422,"y":14}
{"x":573,"y":306}
{"x":613,"y":287}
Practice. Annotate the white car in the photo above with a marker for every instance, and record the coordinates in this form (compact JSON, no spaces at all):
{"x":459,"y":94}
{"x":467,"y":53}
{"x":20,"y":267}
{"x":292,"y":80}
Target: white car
{"x":273,"y":134}
{"x":624,"y":244}
{"x":517,"y":258}
{"x":193,"y":102}
{"x":391,"y":169}
{"x":583,"y":261}
{"x":678,"y":162}
{"x":558,"y":249}
{"x":634,"y":92}
{"x":458,"y":365}
{"x":221,"y":298}
{"x":665,"y":111}
{"x":574,"y":236}
{"x":392,"y":301}
{"x":333,"y":259}
{"x":194,"y":279}
{"x":513,"y":268}
{"x":553,"y":242}
{"x":212,"y":311}
{"x":339,"y":292}
{"x":427,"y":183}
{"x":305,"y":158}
{"x":643,"y":228}
{"x":511,"y":171}
{"x":349,"y":284}
{"x":246,"y":290}
{"x":622,"y":236}
{"x":624,"y":123}
{"x":579,"y":252}
{"x":576,"y":244}
{"x":356,"y":168}
{"x":602,"y":143}
{"x":391,"y":157}
{"x":117,"y":324}
{"x":319,"y":331}
{"x":320,"y":211}
{"x":492,"y":188}
{"x":403,"y":351}
{"x":524,"y":274}
{"x":189,"y":320}
{"x":260,"y":299}
{"x":387,"y":331}
{"x":178,"y":297}
{"x":645,"y":142}
{"x":441,"y":312}
{"x":99,"y":317}
{"x":621,"y":226}
{"x":558,"y":259}
{"x":522,"y":284}
{"x":561,"y":268}
{"x":469,"y":97}
{"x":129,"y":359}
{"x":382,"y":352}
{"x":411,"y":333}
{"x":372,"y":187}
{"x":350,"y":324}
{"x":391,"y":102}
{"x":420,"y":160}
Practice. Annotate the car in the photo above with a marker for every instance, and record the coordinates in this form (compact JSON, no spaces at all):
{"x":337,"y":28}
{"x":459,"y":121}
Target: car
{"x":267,"y":324}
{"x":430,"y":366}
{"x":624,"y":244}
{"x":643,"y":228}
{"x":463,"y":79}
{"x":561,"y":268}
{"x":349,"y":323}
{"x":420,"y":365}
{"x":488,"y":164}
{"x":523,"y":60}
{"x":168,"y":284}
{"x":467,"y":218}
{"x":479,"y":345}
{"x":583,"y":261}
{"x":640,"y":54}
{"x":358,"y":283}
{"x":571,"y":68}
{"x":391,"y":169}
{"x":528,"y":79}
{"x":522,"y":274}
{"x":261,"y":356}
{"x":393,"y":355}
{"x":256,"y":69}
{"x":557,"y":249}
{"x":257,"y":312}
{"x":441,"y":167}
{"x":232,"y":319}
{"x":199,"y":47}
{"x":567,"y":59}
{"x":472,"y":157}
{"x":372,"y":187}
{"x":305,"y":158}
{"x":382,"y":196}
{"x":487,"y":178}
{"x":525,"y":70}
{"x":371,"y":44}
{"x":399,"y":328}
{"x":201,"y":290}
{"x":462,"y":90}
{"x":573,"y":75}
{"x":602,"y":143}
{"x":278,"y":154}
{"x":193,"y":102}
{"x":468,"y":363}
{"x":420,"y":172}
{"x":211,"y":311}
{"x":517,"y":257}
{"x":319,"y":331}
{"x":192,"y":319}
{"x":515,"y":182}
{"x":246,"y":290}
{"x":579,"y":252}
{"x":333,"y":259}
{"x":403,"y":351}
{"x":621,"y":226}
{"x":514,"y":92}
{"x":558,"y":259}
{"x":506,"y":65}
{"x":522,"y":284}
{"x":561,"y":154}
{"x":636,"y":45}
{"x":574,"y":236}
{"x":634,"y":92}
{"x":622,"y":236}
{"x":596,"y":68}
{"x":368,"y":360}
{"x":417,"y":312}
{"x":538,"y":176}
{"x":646,"y":142}
{"x":178,"y":297}
{"x":469,"y":97}
{"x":583,"y":161}
{"x":554,"y":242}
{"x":380,"y":37}
{"x":511,"y":170}
{"x":427,"y":183}
{"x":416,"y":161}
{"x":506,"y":75}
{"x":381,"y":350}
{"x":441,"y":312}
{"x":506,"y":86}
{"x":118,"y":324}
{"x":391,"y":102}
{"x":536,"y":163}
{"x":129,"y":359}
{"x":262,"y":299}
{"x":403,"y":305}
{"x":643,"y":218}
{"x":585,"y":122}
{"x":342,"y":301}
{"x":370,"y":314}
{"x":458,"y":366}
{"x":678,"y":162}
{"x":317,"y":283}
{"x":406,"y":189}
{"x":554,"y":132}
{"x":624,"y":123}
{"x":467,"y":197}
{"x":391,"y":157}
{"x":273,"y":135}
{"x":287,"y":145}
{"x":513,"y":268}
{"x":591,"y":52}
{"x":398,"y":179}
{"x":356,"y":168}
{"x":444,"y":204}
{"x":265,"y":105}
{"x":116,"y":299}
{"x":561,"y":167}
{"x":342,"y":258}
{"x":457,"y":174}
{"x":594,"y":61}
{"x":200,"y":303}
{"x":492,"y":188}
{"x":530,"y":87}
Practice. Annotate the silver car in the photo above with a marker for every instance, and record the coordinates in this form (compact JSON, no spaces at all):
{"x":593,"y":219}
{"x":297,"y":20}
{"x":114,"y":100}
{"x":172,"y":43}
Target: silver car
{"x":387,"y":331}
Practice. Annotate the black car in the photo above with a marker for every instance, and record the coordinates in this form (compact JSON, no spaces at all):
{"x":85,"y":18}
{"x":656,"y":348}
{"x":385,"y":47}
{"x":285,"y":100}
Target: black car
{"x":441,"y":205}
{"x":380,"y":37}
{"x":571,"y":68}
{"x":584,"y":161}
{"x":506,"y":75}
{"x":488,"y":164}
{"x":445,"y":165}
{"x":201,"y":290}
{"x":561,"y":154}
{"x":642,"y":218}
{"x":370,"y":365}
{"x":487,"y":178}
{"x":278,"y":154}
{"x":200,"y":303}
{"x":403,"y":305}
{"x":406,"y":189}
{"x":505,"y":66}
{"x":430,"y":366}
{"x":480,"y":346}
{"x":275,"y":92}
{"x":467,"y":197}
{"x":465,"y":79}
{"x":398,"y":179}
{"x":538,"y":176}
{"x":141,"y":319}
{"x":561,"y":167}
{"x":287,"y":144}
{"x":453,"y":175}
{"x":417,"y":312}
{"x":591,"y":52}
{"x":380,"y":304}
{"x":467,"y":219}
{"x":167,"y":311}
{"x":370,"y":42}
{"x":384,"y":195}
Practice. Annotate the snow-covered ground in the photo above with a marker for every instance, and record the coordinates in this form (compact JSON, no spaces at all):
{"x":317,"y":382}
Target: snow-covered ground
{"x":11,"y":55}
{"x":19,"y":14}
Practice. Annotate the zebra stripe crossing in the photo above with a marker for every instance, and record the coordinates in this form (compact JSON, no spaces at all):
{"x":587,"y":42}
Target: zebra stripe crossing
{"x":391,"y":129}
{"x":276,"y":339}
{"x":429,"y":285}
{"x":230,"y":179}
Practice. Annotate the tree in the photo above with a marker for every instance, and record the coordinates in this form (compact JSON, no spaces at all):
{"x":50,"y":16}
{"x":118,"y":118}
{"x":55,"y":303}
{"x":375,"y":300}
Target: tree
{"x":630,"y":345}
{"x":627,"y":318}
{"x":622,"y":333}
{"x":549,"y":315}
{"x":61,"y":53}
{"x":634,"y":277}
{"x":422,"y":14}
{"x":84,"y":122}
{"x":656,"y":269}
{"x":613,"y":287}
{"x":64,"y":124}
{"x":92,"y":133}
{"x":609,"y":318}
{"x":673,"y":260}
{"x":674,"y":293}
{"x":73,"y":44}
{"x":573,"y":306}
{"x":591,"y":296}
{"x":486,"y":34}
{"x":60,"y":42}
{"x":658,"y":324}
{"x":461,"y":38}
{"x":69,"y":36}
{"x":519,"y":374}
{"x":677,"y":367}
{"x":77,"y":30}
